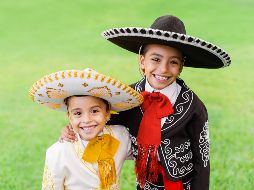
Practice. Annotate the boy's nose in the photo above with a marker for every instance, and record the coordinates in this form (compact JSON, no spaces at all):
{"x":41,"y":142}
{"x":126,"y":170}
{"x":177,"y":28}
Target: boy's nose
{"x":163,"y":67}
{"x":86,"y":118}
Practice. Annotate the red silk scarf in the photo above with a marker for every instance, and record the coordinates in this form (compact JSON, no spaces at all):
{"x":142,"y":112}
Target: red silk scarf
{"x":155,"y":107}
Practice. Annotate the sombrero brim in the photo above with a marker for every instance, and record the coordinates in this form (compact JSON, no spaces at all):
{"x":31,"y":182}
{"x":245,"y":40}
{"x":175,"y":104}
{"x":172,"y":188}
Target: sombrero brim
{"x":52,"y":89}
{"x":198,"y":53}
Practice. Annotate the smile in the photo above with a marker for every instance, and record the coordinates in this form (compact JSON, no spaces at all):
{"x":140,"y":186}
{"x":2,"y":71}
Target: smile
{"x":161,"y":78}
{"x":88,"y":128}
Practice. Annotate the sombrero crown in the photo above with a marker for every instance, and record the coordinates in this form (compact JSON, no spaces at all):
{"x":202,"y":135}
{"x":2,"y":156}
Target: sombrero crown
{"x":53,"y":89}
{"x":170,"y":31}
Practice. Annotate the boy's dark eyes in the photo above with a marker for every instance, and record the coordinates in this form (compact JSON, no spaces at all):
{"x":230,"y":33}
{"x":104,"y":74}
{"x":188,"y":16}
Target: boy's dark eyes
{"x":77,"y":113}
{"x":175,"y":62}
{"x":155,"y":59}
{"x":95,"y":111}
{"x":171,"y":62}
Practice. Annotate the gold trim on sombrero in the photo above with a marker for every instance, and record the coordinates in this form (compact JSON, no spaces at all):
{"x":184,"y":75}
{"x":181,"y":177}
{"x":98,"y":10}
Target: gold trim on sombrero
{"x":60,"y":85}
{"x":85,"y":84}
{"x":49,"y":78}
{"x":100,"y":92}
{"x":56,"y":77}
{"x":51,"y":105}
{"x":57,"y":91}
{"x":114,"y":81}
{"x":123,"y":105}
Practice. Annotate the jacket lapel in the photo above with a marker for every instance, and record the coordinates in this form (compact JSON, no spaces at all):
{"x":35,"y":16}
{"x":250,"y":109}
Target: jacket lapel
{"x":182,"y":107}
{"x":140,"y":85}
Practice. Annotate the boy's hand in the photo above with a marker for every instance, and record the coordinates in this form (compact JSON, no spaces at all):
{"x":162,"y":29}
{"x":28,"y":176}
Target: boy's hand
{"x":67,"y":134}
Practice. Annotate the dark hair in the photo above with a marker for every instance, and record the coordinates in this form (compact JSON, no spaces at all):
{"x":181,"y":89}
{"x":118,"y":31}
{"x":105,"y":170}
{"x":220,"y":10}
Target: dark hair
{"x":143,"y":49}
{"x":108,"y":106}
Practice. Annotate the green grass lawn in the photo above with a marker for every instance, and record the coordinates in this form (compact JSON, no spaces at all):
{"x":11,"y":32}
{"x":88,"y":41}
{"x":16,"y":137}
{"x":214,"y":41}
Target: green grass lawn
{"x":43,"y":36}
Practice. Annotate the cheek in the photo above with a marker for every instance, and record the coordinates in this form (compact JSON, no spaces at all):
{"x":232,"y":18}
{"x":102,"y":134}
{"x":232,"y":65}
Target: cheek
{"x":74,"y":121}
{"x":102,"y":118}
{"x":75,"y":126}
{"x":176,"y":71}
{"x":149,"y":67}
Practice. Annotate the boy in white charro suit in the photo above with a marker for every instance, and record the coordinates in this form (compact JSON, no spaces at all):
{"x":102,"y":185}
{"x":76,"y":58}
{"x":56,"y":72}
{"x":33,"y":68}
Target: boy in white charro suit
{"x":96,"y":159}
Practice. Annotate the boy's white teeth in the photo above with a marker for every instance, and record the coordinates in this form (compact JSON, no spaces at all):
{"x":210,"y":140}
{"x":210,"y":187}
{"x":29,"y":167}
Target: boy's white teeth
{"x":160,"y":77}
{"x":87,"y":128}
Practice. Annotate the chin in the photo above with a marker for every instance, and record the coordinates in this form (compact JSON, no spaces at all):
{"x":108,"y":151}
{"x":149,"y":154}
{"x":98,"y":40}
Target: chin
{"x":87,"y":137}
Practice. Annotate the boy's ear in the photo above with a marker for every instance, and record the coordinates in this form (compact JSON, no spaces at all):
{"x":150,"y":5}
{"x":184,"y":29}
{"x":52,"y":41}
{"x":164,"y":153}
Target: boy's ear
{"x":68,"y":114}
{"x":108,"y":116}
{"x":142,"y":63}
{"x":181,"y":69}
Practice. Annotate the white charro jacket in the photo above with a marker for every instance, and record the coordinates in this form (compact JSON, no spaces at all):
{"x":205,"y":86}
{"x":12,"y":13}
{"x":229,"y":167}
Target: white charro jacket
{"x":65,"y":170}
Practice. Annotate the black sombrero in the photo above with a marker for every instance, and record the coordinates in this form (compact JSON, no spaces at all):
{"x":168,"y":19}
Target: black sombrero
{"x":170,"y":31}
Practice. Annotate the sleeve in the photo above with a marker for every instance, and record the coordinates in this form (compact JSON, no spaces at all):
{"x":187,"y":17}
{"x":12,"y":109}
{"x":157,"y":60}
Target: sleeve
{"x":53,"y":175}
{"x":200,"y":146}
{"x":129,"y":155}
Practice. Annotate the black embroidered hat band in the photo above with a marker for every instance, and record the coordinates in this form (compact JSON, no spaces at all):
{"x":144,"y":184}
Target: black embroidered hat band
{"x":170,"y":30}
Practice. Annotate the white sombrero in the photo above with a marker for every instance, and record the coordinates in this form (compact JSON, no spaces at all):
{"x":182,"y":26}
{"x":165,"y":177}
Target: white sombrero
{"x":51,"y":90}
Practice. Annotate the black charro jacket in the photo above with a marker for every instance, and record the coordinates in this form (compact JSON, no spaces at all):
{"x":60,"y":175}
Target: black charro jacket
{"x":184,"y":149}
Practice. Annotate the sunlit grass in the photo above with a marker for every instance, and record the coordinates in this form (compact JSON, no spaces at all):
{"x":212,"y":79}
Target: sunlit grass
{"x":39,"y":37}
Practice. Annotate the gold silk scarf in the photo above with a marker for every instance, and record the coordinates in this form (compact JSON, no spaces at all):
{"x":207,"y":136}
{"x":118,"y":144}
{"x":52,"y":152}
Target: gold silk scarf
{"x":102,"y":150}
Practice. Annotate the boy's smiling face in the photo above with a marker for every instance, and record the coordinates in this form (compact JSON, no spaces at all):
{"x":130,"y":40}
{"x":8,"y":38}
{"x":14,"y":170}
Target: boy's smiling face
{"x":88,"y":115}
{"x":161,"y":65}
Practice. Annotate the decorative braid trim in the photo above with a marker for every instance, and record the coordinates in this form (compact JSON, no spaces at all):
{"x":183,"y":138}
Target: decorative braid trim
{"x":168,"y":36}
{"x":82,"y":74}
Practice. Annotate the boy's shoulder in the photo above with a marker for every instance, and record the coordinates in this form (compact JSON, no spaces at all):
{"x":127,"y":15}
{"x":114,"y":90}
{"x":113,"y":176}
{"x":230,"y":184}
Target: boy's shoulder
{"x":187,"y":89}
{"x":189,"y":99}
{"x":117,"y":128}
{"x":59,"y":148}
{"x":119,"y":131}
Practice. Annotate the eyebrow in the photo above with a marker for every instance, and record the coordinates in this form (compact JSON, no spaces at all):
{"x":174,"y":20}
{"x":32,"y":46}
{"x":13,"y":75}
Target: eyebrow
{"x":159,"y":55}
{"x":177,"y":57}
{"x":156,"y":54}
{"x":95,"y":106}
{"x":75,"y":109}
